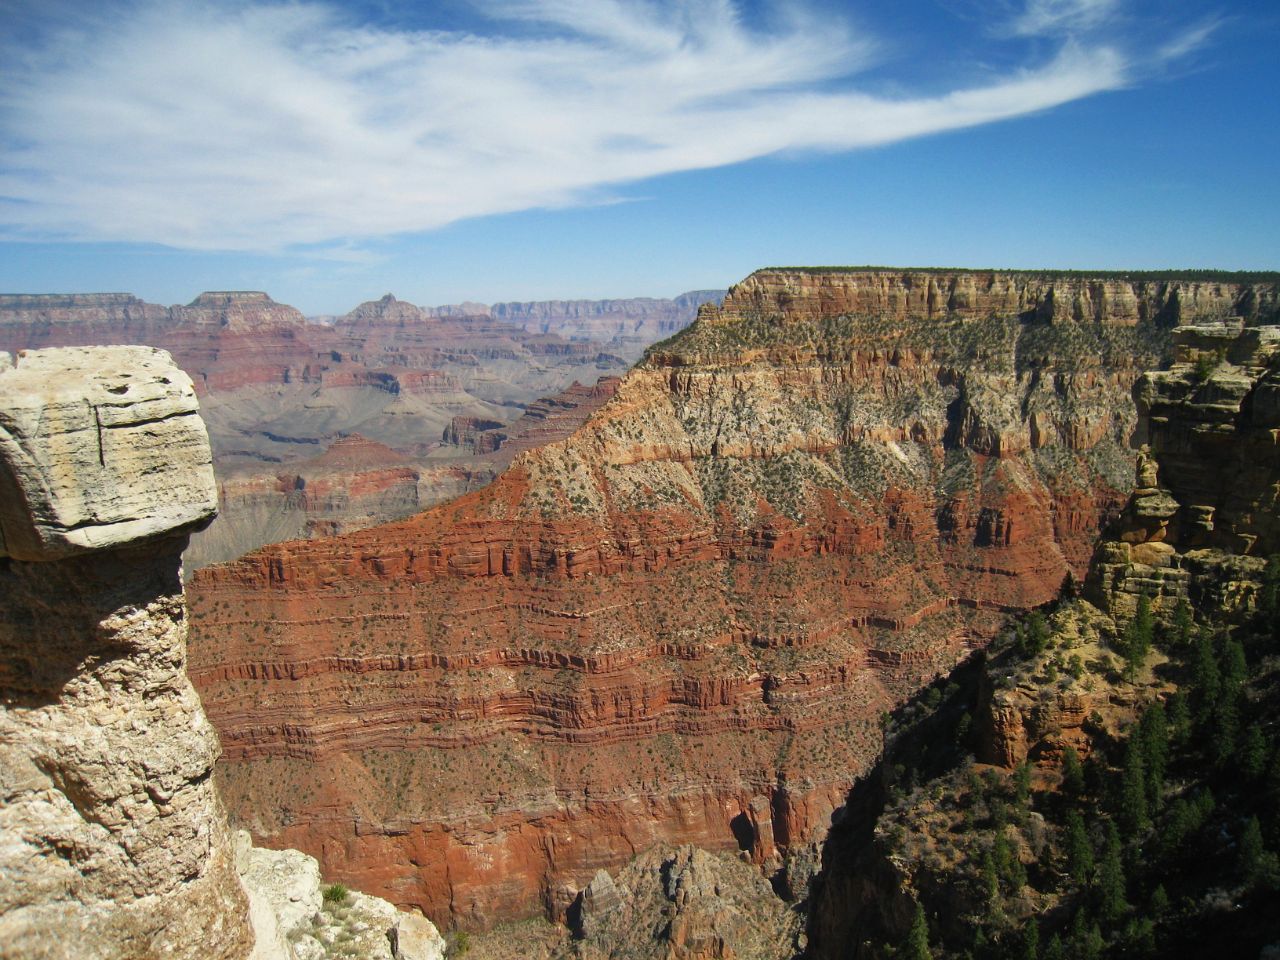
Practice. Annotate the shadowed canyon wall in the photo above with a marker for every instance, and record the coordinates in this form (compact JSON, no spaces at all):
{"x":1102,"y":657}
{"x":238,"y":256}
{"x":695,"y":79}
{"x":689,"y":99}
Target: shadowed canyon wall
{"x":683,"y":622}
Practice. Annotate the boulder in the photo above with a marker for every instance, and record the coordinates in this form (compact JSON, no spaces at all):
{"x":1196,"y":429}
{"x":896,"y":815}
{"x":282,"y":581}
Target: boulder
{"x":99,"y":447}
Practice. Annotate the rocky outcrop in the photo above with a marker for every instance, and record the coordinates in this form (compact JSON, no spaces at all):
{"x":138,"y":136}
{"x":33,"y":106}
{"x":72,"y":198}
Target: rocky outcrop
{"x":470,"y":432}
{"x":101,"y":448}
{"x":115,"y":842}
{"x":296,"y":918}
{"x":1202,"y":519}
{"x":1067,"y":696}
{"x":680,"y":624}
{"x":683,"y":904}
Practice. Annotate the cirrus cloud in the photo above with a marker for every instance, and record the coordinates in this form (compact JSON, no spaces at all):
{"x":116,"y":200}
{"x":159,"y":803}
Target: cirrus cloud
{"x":258,"y":126}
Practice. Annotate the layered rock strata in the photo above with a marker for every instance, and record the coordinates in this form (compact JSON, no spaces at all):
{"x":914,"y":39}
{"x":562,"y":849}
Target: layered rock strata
{"x":115,"y":843}
{"x":1046,"y":296}
{"x":683,"y":622}
{"x":358,"y":482}
{"x":1203,"y":518}
{"x":627,"y":326}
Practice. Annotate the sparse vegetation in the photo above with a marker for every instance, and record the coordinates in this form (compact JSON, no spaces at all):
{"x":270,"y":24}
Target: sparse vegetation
{"x":1165,"y":842}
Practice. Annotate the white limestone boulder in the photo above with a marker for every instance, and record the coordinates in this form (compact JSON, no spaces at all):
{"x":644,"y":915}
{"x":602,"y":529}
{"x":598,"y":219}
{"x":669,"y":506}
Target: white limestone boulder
{"x":99,"y":447}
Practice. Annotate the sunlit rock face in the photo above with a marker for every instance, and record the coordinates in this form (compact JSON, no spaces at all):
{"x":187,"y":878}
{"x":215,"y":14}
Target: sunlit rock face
{"x":682,"y":622}
{"x":115,"y":844}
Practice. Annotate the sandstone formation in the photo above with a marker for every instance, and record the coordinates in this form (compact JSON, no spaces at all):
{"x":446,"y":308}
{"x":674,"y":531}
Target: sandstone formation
{"x":115,"y":842}
{"x":682,"y":623}
{"x":1125,"y":298}
{"x":295,"y":920}
{"x":1203,"y":518}
{"x":102,"y":448}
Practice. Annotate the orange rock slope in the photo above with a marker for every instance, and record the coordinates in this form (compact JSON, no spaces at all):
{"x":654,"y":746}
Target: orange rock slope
{"x":683,"y":622}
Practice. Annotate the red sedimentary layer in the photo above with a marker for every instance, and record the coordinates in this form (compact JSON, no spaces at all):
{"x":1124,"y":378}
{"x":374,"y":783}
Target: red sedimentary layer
{"x":682,"y":619}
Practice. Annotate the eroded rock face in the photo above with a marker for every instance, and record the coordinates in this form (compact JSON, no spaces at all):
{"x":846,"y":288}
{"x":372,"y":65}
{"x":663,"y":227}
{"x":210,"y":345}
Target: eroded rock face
{"x":294,"y":920}
{"x":1203,"y":517}
{"x":683,"y":904}
{"x":809,"y":293}
{"x":680,"y":624}
{"x":115,"y":844}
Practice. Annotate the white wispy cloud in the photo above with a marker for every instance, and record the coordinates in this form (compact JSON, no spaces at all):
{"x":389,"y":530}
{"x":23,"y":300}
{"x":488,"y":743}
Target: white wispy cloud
{"x":256,"y":126}
{"x":1047,"y":17}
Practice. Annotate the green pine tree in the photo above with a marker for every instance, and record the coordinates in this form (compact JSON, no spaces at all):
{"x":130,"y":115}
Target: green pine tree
{"x":1257,"y":864}
{"x":1132,"y":806}
{"x":1225,"y":730}
{"x":1159,"y":900}
{"x":1179,"y":715}
{"x":1252,"y":755}
{"x":1079,"y":849}
{"x":1031,"y":940}
{"x":1022,"y":783}
{"x":1033,"y":636}
{"x":1140,"y":937}
{"x":1153,"y":735}
{"x":1111,"y":881}
{"x":916,"y":946}
{"x":1137,"y":640}
{"x":989,"y":879}
{"x":1072,"y":773}
{"x":1235,"y":668}
{"x":1181,"y":626}
{"x":1206,"y":678}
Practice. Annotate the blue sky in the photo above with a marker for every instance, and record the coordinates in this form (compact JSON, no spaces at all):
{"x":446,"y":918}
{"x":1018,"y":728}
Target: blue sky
{"x":527,"y":149}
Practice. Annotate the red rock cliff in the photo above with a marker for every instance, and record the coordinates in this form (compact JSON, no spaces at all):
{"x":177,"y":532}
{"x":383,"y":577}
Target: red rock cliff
{"x":682,"y":622}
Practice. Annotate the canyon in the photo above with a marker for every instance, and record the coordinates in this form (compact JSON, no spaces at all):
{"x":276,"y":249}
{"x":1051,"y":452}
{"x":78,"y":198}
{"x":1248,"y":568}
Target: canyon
{"x":320,"y":428}
{"x":968,"y":818}
{"x":683,"y":621}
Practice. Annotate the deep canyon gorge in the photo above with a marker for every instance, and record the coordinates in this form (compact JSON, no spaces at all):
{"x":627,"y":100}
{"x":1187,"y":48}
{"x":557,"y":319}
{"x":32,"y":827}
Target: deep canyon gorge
{"x":655,"y":667}
{"x":683,"y":622}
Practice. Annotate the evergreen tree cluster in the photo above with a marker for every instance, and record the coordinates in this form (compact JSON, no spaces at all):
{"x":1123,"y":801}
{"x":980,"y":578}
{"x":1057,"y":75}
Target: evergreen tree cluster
{"x":1166,"y":840}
